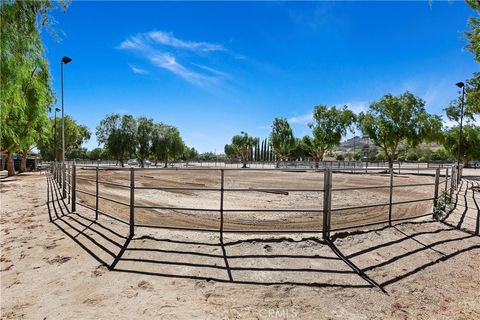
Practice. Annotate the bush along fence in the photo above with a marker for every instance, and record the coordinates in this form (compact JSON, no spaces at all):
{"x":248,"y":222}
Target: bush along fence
{"x":65,"y":175}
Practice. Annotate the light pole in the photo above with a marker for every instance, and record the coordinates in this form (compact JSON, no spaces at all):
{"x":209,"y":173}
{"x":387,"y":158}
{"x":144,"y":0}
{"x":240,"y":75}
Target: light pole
{"x":65,"y":60}
{"x":462,"y":86}
{"x":55,"y":135}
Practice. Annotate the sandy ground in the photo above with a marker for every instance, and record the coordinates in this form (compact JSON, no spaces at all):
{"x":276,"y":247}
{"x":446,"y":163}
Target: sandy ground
{"x":60,"y":269}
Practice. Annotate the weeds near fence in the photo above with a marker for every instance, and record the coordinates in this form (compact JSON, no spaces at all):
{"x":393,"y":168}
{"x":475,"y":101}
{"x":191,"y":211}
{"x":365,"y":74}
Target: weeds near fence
{"x":443,"y":206}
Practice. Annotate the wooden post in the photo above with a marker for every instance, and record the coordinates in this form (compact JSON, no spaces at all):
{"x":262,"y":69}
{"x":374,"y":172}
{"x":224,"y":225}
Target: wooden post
{"x":327,"y":201}
{"x":74,"y":186}
{"x":435,"y":195}
{"x":132,"y":201}
{"x":96,"y":193}
{"x":390,"y":199}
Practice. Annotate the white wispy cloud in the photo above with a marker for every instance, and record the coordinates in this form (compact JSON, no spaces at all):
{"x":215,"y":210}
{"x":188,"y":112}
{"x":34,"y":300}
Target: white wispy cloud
{"x":167,"y":61}
{"x":159,"y":48}
{"x":301,"y":119}
{"x":167,"y":38}
{"x":138,"y":70}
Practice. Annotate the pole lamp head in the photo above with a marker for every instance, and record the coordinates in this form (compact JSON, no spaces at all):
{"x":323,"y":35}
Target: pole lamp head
{"x":66,"y":60}
{"x":57,"y":109}
{"x":460,"y":84}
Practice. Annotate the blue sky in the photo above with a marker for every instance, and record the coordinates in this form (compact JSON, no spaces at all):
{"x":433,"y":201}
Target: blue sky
{"x":215,"y":69}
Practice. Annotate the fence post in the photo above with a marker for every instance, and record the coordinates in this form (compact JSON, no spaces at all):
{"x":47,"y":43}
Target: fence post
{"x":64,"y":180}
{"x":96,"y":193}
{"x":132,"y":201}
{"x":435,"y":195}
{"x":74,"y":185}
{"x":459,"y":174}
{"x":390,"y":199}
{"x":446,"y":184}
{"x":222,"y":184}
{"x":452,"y":181}
{"x":69,"y":176}
{"x":327,"y":201}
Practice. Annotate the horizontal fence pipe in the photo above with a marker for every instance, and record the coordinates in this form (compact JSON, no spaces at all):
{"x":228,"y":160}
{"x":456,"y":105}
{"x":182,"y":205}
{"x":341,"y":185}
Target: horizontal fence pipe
{"x":114,"y":201}
{"x":381,"y":222}
{"x":113,"y":217}
{"x":85,"y":179}
{"x":176,"y":228}
{"x":85,"y":206}
{"x":362,"y":206}
{"x":86,"y":192}
{"x":114,"y":184}
{"x":272,"y":210}
{"x":176,"y":188}
{"x":360,"y":188}
{"x":412,"y":201}
{"x":413,"y":185}
{"x":230,"y":230}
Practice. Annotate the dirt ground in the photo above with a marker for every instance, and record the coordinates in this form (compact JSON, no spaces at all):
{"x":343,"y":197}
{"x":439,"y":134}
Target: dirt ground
{"x":254,"y":200}
{"x":60,"y":269}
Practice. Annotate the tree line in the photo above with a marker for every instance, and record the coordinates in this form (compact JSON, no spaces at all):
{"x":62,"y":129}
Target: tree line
{"x":392,"y":122}
{"x":125,"y":137}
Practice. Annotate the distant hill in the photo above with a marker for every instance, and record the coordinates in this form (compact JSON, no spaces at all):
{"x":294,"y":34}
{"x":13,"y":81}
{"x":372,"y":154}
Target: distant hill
{"x":359,"y":141}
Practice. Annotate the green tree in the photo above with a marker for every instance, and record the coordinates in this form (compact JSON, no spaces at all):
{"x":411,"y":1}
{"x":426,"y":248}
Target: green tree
{"x":118,"y":135}
{"x":26,"y":92}
{"x":328,"y":127}
{"x":469,"y":149}
{"x":282,"y":139}
{"x":75,"y":135}
{"x":77,"y":153}
{"x":144,"y":135}
{"x":394,"y":119}
{"x":166,"y":143}
{"x":474,"y":34}
{"x":190,"y":153}
{"x":472,"y":101}
{"x":230,"y":151}
{"x":243,"y":144}
{"x":301,"y":150}
{"x":96,"y":154}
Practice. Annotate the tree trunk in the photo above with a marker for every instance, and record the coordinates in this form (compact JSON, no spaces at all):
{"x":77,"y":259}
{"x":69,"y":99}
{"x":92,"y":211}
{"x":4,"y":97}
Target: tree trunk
{"x":244,"y":162}
{"x":278,"y":164}
{"x":142,"y":164}
{"x":23,"y":162}
{"x":10,"y":164}
{"x":166,"y":163}
{"x":390,"y":162}
{"x":121,"y":163}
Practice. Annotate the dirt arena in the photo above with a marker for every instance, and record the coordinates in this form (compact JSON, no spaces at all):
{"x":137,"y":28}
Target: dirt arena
{"x":269,"y":198}
{"x":75,"y":267}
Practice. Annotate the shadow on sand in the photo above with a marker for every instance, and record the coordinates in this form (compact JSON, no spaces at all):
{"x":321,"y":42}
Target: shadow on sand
{"x":108,"y":244}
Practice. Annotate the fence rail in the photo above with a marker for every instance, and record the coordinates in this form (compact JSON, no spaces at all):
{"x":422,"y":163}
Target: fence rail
{"x":66,"y":176}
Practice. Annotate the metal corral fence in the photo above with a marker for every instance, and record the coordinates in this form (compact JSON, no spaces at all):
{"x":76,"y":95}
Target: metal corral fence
{"x":333,"y":164}
{"x":66,"y":176}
